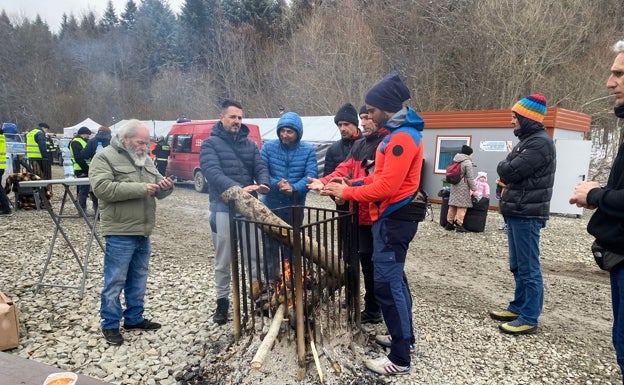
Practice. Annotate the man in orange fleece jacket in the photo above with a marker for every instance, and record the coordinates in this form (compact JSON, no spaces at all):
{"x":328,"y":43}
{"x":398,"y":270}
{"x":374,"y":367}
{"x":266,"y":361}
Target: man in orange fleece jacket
{"x":389,"y":190}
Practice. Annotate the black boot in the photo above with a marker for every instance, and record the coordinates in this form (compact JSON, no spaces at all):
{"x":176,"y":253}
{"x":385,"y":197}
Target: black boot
{"x":449,"y":226}
{"x":460,"y":228}
{"x":220,"y":316}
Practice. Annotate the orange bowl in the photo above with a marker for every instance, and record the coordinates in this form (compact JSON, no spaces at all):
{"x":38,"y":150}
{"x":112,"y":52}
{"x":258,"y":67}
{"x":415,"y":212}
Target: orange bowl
{"x":65,"y":378}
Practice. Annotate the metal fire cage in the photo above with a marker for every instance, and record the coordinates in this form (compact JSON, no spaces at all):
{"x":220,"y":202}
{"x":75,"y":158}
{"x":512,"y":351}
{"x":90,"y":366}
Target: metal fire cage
{"x":312,"y":267}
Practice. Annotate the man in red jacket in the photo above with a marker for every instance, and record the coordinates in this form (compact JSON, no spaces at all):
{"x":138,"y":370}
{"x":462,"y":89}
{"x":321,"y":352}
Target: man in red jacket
{"x":389,"y":191}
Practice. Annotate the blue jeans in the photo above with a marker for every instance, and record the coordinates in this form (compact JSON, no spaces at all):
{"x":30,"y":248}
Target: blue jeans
{"x":524,"y":263}
{"x":617,"y":301}
{"x":126,"y":265}
{"x":391,"y":239}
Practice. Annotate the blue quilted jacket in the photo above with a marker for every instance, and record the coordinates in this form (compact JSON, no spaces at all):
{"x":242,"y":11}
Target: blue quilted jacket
{"x":295,"y":163}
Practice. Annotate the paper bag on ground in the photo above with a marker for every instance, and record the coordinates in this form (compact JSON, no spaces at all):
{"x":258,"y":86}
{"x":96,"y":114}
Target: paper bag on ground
{"x":9,"y":323}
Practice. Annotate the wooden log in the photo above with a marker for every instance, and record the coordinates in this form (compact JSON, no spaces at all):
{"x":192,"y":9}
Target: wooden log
{"x":269,"y":339}
{"x":254,"y":210}
{"x":315,"y":354}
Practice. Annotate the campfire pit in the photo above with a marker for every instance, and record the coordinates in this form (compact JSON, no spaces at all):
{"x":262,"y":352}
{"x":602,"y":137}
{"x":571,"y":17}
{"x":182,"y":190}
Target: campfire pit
{"x":316,"y":284}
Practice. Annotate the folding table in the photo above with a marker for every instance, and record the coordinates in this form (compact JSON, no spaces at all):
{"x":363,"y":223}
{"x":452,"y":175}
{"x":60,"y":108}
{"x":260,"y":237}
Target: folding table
{"x":57,"y":218}
{"x":19,"y":370}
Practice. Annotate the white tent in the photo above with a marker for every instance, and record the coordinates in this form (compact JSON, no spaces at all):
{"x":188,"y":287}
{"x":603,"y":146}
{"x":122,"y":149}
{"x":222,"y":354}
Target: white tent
{"x":156,"y":127}
{"x":68,"y":132}
{"x":316,"y":129}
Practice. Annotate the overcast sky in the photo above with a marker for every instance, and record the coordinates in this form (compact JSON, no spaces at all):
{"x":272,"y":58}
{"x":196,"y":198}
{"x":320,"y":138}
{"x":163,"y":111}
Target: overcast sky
{"x":51,"y":11}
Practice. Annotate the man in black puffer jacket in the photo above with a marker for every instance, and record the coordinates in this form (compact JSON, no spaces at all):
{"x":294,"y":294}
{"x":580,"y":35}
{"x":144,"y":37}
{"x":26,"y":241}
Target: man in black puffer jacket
{"x":228,"y":158}
{"x":529,"y":173}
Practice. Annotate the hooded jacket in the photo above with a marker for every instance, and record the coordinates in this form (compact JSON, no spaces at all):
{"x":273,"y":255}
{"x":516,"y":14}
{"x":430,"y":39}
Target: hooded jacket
{"x":529,"y":173}
{"x":398,"y":164}
{"x":227,"y":159}
{"x":294,"y":163}
{"x":461,"y":192}
{"x":89,"y":151}
{"x":119,"y":184}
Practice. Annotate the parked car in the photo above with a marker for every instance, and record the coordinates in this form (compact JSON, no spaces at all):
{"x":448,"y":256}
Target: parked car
{"x":184,"y":140}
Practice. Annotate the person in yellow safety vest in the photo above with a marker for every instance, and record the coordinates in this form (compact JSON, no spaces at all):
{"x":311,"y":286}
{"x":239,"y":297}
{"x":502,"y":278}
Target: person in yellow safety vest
{"x":36,"y":151}
{"x":5,"y":206}
{"x":161,"y":151}
{"x":81,"y":165}
{"x":51,"y":147}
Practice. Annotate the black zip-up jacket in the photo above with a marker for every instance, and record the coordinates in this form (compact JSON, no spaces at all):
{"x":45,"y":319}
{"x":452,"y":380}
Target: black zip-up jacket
{"x":337,"y":153}
{"x":607,"y":223}
{"x":529,"y":173}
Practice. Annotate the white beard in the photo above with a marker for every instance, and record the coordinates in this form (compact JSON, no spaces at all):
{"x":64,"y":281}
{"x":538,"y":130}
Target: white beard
{"x":139,"y":159}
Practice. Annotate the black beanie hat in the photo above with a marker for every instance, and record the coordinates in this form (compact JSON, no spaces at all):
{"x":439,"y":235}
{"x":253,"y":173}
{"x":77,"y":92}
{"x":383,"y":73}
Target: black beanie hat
{"x":363,"y":110}
{"x":84,"y":130}
{"x":388,"y":94}
{"x":347,"y":113}
{"x":467,"y":150}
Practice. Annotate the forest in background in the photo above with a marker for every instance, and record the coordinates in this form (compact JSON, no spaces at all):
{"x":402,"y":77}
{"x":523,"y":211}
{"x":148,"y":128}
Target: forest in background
{"x":308,"y":56}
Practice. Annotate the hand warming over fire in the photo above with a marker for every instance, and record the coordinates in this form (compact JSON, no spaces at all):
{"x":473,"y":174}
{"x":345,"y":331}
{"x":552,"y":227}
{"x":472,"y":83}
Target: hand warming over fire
{"x":262,"y":189}
{"x":334,"y":188}
{"x":315,"y":184}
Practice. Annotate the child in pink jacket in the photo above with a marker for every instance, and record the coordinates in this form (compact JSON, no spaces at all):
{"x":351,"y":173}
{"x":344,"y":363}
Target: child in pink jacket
{"x":483,"y":188}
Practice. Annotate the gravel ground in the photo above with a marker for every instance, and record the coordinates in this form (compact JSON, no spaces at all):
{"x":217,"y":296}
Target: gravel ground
{"x":455,"y":279}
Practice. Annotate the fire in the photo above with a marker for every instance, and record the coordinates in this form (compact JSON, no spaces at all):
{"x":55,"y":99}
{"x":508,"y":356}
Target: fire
{"x":284,"y":285}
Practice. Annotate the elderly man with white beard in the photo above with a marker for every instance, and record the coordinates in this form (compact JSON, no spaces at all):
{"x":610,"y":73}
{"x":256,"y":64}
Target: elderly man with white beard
{"x":126,"y":184}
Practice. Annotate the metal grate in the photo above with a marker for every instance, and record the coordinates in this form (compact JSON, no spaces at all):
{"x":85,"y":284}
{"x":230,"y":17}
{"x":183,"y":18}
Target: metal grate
{"x":313,"y":268}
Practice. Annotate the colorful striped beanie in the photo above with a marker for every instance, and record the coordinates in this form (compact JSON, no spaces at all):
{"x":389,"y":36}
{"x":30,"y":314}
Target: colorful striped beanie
{"x":532,"y":107}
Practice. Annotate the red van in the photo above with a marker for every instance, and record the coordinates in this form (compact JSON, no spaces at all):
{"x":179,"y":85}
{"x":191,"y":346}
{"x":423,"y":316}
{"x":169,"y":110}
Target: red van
{"x":185,"y":141}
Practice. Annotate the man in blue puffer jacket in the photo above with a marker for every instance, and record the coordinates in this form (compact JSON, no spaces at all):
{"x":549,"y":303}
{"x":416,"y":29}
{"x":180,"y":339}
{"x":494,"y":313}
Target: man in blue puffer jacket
{"x":228,"y":158}
{"x":290,"y":162}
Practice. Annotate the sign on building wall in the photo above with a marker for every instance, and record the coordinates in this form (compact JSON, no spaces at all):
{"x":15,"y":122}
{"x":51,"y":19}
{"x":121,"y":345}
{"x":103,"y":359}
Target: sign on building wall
{"x":495,"y":145}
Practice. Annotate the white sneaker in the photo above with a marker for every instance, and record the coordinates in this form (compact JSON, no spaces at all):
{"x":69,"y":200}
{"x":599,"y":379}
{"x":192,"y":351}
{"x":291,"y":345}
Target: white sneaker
{"x":384,"y":366}
{"x":385,"y":340}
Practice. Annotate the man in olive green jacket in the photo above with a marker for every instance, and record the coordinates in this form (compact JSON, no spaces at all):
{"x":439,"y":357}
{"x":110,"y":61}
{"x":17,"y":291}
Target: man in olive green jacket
{"x":126,"y":184}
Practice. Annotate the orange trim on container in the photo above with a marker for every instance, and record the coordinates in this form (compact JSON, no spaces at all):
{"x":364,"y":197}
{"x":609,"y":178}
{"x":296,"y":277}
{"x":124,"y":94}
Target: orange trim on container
{"x":555,"y":118}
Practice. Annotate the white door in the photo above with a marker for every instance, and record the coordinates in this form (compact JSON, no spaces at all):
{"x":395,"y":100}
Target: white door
{"x":573,"y":158}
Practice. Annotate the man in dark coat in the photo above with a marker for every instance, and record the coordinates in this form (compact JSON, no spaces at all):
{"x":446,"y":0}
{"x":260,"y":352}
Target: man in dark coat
{"x":529,"y":173}
{"x":347,"y":121}
{"x":161,"y":151}
{"x":228,"y":158}
{"x":103,"y":138}
{"x":607,"y":222}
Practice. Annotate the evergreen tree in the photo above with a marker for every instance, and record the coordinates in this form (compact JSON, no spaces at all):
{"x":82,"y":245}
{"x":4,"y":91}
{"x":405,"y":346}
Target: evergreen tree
{"x":69,"y":27}
{"x":154,"y":38}
{"x":109,"y":20}
{"x":128,"y":17}
{"x":198,"y":32}
{"x":88,"y":25}
{"x":264,"y":15}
